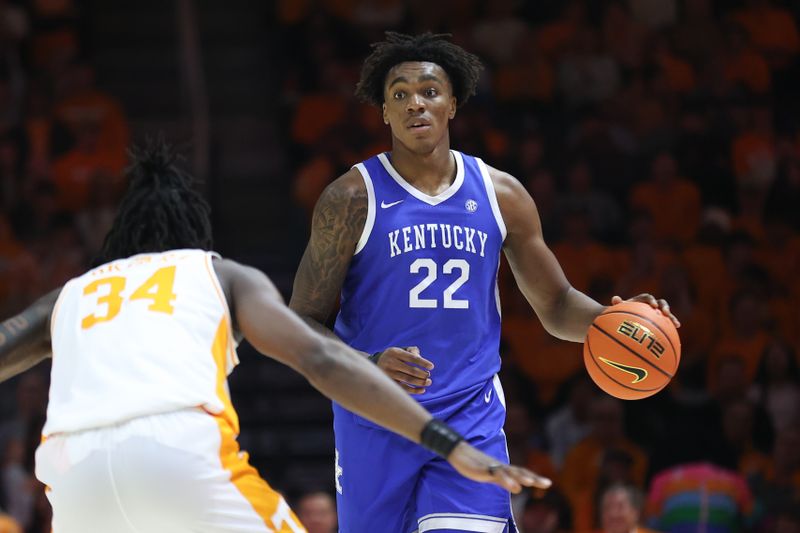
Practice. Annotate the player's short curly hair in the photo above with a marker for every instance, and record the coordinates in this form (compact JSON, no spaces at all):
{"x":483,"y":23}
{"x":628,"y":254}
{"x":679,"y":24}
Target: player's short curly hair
{"x":462,"y":67}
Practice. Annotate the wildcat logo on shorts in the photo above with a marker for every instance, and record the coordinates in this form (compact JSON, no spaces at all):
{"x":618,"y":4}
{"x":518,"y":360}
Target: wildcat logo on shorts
{"x":642,"y":335}
{"x":471,"y":205}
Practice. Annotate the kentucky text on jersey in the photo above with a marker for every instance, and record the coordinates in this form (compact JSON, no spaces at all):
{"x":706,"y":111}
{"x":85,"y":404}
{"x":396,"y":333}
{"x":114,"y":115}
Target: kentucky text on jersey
{"x":422,"y":236}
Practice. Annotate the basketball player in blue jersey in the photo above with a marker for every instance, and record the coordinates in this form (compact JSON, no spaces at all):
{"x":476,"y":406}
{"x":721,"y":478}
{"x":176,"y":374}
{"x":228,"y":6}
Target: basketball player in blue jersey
{"x":411,"y":241}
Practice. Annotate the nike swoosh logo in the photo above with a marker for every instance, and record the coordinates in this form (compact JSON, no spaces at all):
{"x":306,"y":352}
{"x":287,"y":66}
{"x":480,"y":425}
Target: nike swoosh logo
{"x":487,"y":397}
{"x":386,"y":206}
{"x":640,"y":373}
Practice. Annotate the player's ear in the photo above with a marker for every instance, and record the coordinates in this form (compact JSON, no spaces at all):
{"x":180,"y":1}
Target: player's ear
{"x":385,"y":116}
{"x":453,"y":107}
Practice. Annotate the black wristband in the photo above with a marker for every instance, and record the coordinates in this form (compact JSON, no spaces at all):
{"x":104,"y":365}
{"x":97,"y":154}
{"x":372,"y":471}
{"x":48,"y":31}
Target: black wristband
{"x":439,"y":438}
{"x":374,"y":357}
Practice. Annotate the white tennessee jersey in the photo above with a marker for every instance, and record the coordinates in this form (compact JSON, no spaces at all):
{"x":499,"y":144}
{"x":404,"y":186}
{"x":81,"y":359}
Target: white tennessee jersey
{"x":139,"y":336}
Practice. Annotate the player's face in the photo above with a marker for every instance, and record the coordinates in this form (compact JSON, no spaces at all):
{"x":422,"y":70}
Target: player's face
{"x":418,"y":104}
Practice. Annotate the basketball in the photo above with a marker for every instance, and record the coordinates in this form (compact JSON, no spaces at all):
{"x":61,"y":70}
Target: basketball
{"x":632,"y":351}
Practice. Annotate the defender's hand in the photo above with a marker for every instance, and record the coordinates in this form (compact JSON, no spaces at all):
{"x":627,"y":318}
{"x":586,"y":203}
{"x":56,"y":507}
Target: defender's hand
{"x":407,"y":367}
{"x":477,"y":466}
{"x":650,"y":300}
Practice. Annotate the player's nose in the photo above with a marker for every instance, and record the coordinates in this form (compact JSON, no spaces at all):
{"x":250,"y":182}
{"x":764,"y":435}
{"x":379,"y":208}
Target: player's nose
{"x":415,"y":104}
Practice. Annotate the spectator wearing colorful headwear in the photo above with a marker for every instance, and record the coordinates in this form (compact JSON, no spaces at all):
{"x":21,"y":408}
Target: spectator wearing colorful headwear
{"x":699,"y":497}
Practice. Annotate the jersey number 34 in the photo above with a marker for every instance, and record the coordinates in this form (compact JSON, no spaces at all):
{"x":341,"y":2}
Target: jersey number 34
{"x":159,"y":288}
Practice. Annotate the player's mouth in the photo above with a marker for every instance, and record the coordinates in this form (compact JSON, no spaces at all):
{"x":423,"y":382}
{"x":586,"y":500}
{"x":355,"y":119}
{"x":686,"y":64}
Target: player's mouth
{"x":418,"y":125}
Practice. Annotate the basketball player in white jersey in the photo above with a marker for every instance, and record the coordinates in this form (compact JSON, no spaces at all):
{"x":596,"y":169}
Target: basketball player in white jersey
{"x":140,"y":433}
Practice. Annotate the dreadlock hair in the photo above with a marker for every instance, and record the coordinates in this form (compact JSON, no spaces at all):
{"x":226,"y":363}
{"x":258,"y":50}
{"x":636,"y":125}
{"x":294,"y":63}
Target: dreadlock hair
{"x":461,"y":67}
{"x":160,"y":210}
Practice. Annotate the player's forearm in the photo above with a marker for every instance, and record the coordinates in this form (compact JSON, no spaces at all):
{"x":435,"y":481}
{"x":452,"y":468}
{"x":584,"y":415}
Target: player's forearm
{"x":571,"y":315}
{"x":24,"y":339}
{"x":324,"y":330}
{"x":345,"y":376}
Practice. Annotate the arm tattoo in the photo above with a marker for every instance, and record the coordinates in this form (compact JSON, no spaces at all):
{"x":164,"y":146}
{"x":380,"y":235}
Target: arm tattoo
{"x":338,"y":221}
{"x":25,"y":338}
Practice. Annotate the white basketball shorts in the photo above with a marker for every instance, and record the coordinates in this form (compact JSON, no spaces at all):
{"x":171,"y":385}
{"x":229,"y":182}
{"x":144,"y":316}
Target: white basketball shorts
{"x":178,"y":472}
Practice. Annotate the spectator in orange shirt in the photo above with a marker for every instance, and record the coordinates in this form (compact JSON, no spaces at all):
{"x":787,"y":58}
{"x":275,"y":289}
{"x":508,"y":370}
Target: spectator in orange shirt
{"x":741,"y":421}
{"x":525,"y":441}
{"x":677,"y":73}
{"x":80,"y":104}
{"x":554,"y":37}
{"x":772,"y":29}
{"x":525,"y":444}
{"x":705,"y":262}
{"x":672,"y":201}
{"x":745,"y":335}
{"x":621,"y":510}
{"x":570,"y":423}
{"x":581,"y":257}
{"x":581,"y":469}
{"x":75,"y":172}
{"x":698,"y":330}
{"x":754,"y":154}
{"x":640,"y":267}
{"x":743,"y":65}
{"x":779,"y":252}
{"x":527,"y":76}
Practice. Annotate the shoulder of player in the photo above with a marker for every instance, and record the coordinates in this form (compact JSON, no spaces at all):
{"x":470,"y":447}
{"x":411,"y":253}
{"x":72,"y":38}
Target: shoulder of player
{"x":345,"y":190}
{"x":234,"y":276}
{"x":342,"y":207}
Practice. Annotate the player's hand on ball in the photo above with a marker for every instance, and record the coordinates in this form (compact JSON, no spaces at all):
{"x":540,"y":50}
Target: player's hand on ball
{"x":650,"y":300}
{"x":407,"y":367}
{"x":477,"y":466}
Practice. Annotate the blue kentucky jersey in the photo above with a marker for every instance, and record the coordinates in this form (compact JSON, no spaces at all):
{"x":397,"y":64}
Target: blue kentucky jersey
{"x":425,"y":274}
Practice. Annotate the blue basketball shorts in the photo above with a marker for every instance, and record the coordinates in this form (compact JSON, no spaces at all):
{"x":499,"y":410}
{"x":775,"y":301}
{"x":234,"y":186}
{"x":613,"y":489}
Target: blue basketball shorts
{"x":387,"y":484}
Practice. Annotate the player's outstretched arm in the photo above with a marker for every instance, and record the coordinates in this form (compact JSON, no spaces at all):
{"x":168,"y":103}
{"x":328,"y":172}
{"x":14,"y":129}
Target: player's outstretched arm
{"x":347,"y":377}
{"x":25,"y":338}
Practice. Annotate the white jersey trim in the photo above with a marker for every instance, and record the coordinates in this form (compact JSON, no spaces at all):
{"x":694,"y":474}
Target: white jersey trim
{"x":498,"y":390}
{"x":419,"y":195}
{"x":233,"y":357}
{"x":462,"y":522}
{"x":370,"y":222}
{"x":490,"y":192}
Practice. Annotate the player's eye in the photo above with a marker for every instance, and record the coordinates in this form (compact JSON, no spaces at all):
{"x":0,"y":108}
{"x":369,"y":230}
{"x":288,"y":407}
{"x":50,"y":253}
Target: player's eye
{"x":431,"y":92}
{"x":398,"y":95}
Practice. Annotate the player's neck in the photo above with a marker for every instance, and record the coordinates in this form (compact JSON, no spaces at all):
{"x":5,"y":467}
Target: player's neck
{"x":431,"y":173}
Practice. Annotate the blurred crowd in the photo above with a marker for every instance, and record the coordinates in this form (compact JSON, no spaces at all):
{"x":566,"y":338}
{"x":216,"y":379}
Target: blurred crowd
{"x":660,"y":140}
{"x":62,"y":152}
